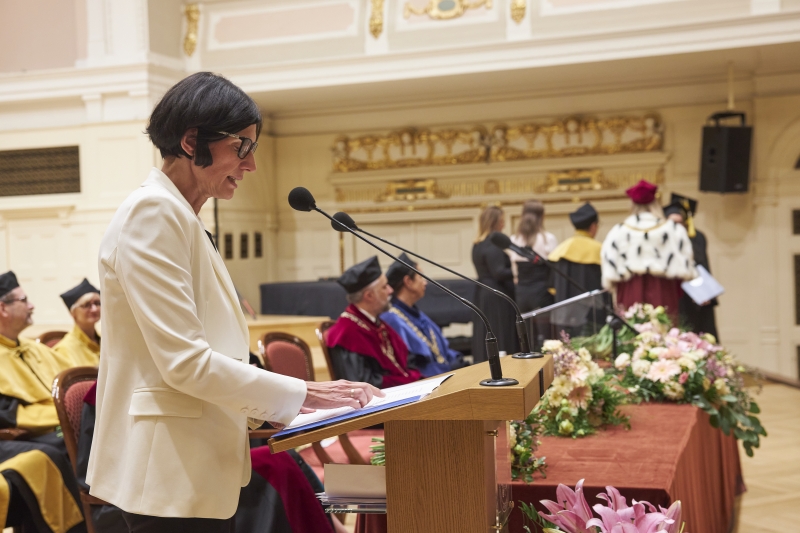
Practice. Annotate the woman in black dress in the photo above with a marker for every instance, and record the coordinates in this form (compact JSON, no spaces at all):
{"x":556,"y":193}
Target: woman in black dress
{"x":533,"y":277}
{"x":494,"y":269}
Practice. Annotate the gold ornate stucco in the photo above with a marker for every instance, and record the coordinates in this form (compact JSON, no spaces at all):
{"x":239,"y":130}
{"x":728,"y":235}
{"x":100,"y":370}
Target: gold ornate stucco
{"x":517,"y":10}
{"x":569,"y":137}
{"x":444,"y":9}
{"x":555,"y":183}
{"x":376,"y":18}
{"x":192,"y":12}
{"x":410,"y":190}
{"x":409,"y":148}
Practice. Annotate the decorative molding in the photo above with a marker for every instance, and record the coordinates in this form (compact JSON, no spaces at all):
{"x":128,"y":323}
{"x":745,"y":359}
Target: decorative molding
{"x":577,"y":136}
{"x":411,"y":190}
{"x":192,"y":13}
{"x":570,"y":137}
{"x":445,"y":9}
{"x":552,"y":185}
{"x":376,"y":18}
{"x":409,"y":148}
{"x":517,"y":10}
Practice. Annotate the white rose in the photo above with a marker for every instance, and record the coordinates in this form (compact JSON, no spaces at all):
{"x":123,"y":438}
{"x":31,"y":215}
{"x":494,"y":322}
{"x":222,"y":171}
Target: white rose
{"x":552,"y":346}
{"x":673,"y":390}
{"x":722,"y":387}
{"x":687,"y":363}
{"x":640,"y":367}
{"x":622,"y":361}
{"x":585,"y":355}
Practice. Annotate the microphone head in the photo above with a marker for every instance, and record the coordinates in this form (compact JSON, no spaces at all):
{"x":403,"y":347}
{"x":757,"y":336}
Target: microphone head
{"x":501,"y":240}
{"x":301,"y":199}
{"x":343,"y":218}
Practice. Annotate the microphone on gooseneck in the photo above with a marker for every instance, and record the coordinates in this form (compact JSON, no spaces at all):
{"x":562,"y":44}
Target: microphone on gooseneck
{"x":301,"y":199}
{"x":503,"y":241}
{"x":347,"y":221}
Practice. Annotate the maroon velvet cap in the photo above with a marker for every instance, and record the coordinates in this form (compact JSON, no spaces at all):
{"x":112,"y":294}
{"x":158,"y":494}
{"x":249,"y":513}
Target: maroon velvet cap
{"x":643,"y":192}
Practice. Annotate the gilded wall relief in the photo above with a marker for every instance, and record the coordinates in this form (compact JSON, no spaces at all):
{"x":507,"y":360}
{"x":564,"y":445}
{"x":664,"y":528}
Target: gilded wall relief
{"x":409,"y":148}
{"x":517,"y":10}
{"x":570,"y":137}
{"x":576,"y":137}
{"x":376,"y":18}
{"x":444,"y":9}
{"x":557,"y":184}
{"x":192,"y":13}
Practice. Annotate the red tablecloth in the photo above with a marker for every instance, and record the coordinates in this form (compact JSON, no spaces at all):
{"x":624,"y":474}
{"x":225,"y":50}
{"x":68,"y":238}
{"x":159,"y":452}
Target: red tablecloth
{"x":671,"y":453}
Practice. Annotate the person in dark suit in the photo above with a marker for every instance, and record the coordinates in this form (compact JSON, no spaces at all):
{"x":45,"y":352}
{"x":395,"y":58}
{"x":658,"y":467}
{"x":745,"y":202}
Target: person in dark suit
{"x":494,"y":269}
{"x":697,"y":318}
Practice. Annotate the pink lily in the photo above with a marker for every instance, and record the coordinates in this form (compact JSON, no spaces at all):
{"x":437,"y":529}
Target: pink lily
{"x":643,"y":522}
{"x":572,"y":511}
{"x":674,"y":514}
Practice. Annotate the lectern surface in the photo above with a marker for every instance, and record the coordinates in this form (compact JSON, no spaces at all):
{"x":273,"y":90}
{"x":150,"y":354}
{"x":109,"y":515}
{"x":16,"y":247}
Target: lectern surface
{"x":459,"y":398}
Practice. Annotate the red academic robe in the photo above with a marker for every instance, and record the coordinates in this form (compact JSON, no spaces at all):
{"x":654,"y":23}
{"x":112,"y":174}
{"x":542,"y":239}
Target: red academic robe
{"x":355,"y":332}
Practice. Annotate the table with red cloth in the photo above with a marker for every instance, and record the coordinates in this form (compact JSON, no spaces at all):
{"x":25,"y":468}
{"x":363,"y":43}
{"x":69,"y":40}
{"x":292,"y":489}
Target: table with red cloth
{"x":670,"y":453}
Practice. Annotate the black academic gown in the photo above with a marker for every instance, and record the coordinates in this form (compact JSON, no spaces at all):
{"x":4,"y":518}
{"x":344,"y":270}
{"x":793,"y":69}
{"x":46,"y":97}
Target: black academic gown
{"x":533,"y":285}
{"x":494,"y":269}
{"x":579,"y":259}
{"x":699,"y":318}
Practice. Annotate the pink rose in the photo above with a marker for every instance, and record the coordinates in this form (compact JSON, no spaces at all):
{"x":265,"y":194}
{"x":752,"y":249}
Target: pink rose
{"x":682,"y":378}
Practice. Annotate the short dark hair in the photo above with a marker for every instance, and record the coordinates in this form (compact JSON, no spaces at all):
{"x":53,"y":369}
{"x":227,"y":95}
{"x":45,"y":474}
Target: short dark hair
{"x":398,"y":284}
{"x":208,"y":102}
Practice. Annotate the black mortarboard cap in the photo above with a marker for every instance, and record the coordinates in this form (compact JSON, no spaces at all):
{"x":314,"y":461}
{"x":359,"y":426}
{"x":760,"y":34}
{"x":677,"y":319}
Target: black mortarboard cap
{"x":359,"y":276}
{"x":8,"y":282}
{"x":75,"y":293}
{"x":687,"y":205}
{"x":585,"y":216}
{"x":397,"y":270}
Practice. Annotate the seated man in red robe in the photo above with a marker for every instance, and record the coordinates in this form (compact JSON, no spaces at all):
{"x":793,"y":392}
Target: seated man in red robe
{"x":362,"y":347}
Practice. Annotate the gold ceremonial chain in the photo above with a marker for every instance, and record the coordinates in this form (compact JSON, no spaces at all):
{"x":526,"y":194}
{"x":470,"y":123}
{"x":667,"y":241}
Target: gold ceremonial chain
{"x":386,"y":344}
{"x":431,"y":343}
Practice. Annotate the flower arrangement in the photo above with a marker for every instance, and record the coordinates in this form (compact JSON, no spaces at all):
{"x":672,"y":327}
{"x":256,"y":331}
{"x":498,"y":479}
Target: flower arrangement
{"x":581,"y":397}
{"x":666,"y":364}
{"x":572,"y":514}
{"x":601,"y":344}
{"x":524,"y":440}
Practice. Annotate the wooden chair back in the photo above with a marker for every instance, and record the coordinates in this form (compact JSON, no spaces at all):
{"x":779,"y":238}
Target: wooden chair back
{"x":288,"y":355}
{"x":69,"y":389}
{"x":321,"y":332}
{"x":51,"y":338}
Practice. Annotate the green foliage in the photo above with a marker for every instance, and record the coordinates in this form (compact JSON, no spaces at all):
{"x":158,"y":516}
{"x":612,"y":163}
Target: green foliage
{"x":378,"y":457}
{"x":524,"y":442}
{"x":529,"y":514}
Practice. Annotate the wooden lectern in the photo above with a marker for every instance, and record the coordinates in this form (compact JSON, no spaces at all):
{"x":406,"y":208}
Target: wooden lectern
{"x":442,"y":472}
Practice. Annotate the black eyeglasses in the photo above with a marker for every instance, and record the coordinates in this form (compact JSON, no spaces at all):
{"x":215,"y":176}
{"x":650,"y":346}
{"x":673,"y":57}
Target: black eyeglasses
{"x":247,"y":146}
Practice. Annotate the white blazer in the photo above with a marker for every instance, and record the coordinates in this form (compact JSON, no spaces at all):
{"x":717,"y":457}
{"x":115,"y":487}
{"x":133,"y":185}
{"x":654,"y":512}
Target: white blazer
{"x":174,"y":392}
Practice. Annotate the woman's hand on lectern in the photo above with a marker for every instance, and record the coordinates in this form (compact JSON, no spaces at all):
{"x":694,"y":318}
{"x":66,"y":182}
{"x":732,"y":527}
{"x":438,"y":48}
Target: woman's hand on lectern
{"x":341,"y":393}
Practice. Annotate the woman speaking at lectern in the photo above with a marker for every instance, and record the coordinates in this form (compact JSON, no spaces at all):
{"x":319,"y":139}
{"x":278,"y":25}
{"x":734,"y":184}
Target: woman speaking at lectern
{"x":175,"y":395}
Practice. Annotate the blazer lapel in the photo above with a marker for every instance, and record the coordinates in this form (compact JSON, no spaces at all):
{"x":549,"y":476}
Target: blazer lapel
{"x":227,"y":283}
{"x":159,"y":178}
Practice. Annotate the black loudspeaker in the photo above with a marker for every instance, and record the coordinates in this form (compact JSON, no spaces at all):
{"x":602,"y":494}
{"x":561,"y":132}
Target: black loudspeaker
{"x":725,"y":160}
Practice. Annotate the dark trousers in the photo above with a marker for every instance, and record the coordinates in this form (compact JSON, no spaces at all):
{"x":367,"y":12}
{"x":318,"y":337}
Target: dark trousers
{"x":138,"y":523}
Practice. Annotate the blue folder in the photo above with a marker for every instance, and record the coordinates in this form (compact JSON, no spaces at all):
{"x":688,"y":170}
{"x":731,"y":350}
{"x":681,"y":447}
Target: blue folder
{"x":347,"y":416}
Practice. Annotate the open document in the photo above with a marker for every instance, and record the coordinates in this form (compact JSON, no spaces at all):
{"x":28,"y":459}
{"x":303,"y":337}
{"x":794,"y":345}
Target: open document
{"x":395,"y":396}
{"x":703,"y":288}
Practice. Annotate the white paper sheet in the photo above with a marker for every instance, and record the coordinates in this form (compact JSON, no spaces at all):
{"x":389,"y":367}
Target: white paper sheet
{"x":703,"y":288}
{"x":393,"y":394}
